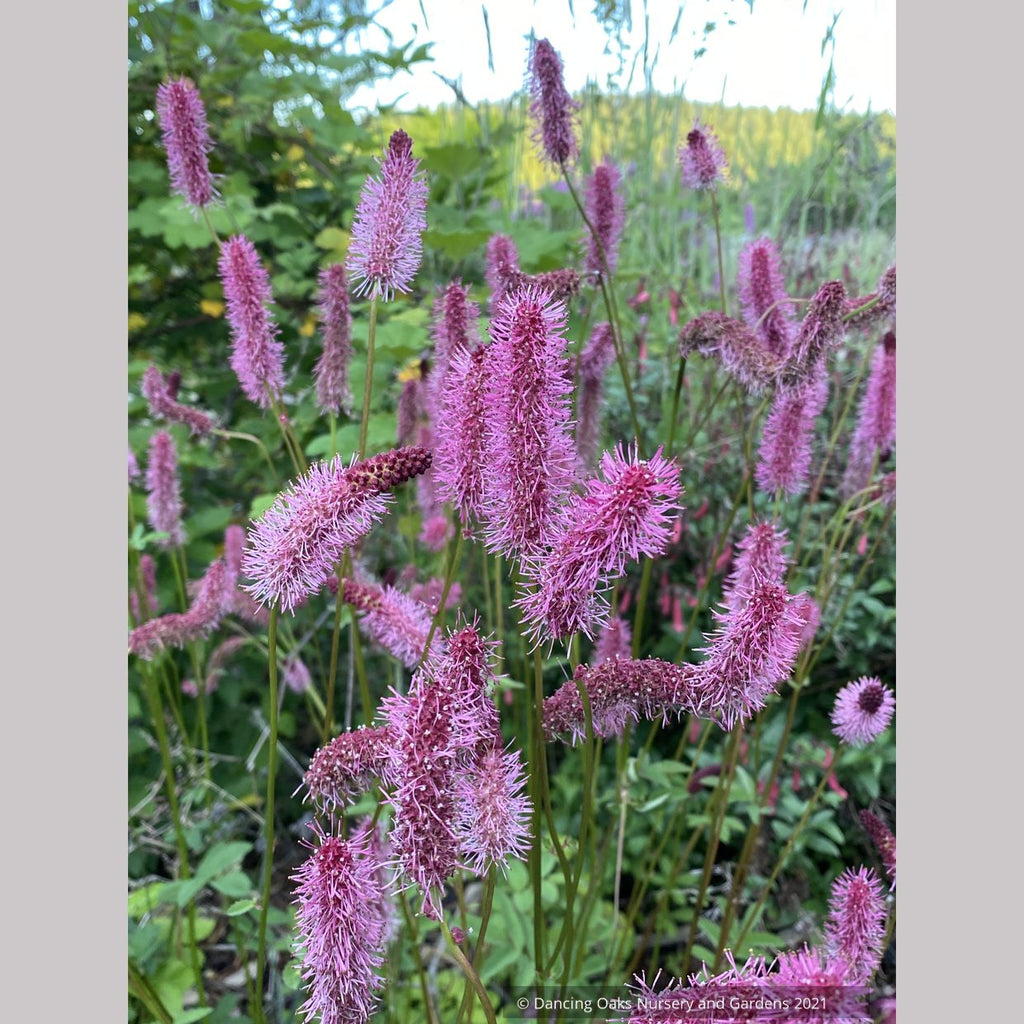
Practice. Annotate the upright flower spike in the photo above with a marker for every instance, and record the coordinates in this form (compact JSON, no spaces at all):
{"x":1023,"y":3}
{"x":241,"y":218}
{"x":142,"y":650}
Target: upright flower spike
{"x":606,"y":211}
{"x":295,"y":546}
{"x":530,"y":462}
{"x":331,"y":371}
{"x":862,"y":711}
{"x":455,"y":329}
{"x":341,"y":925}
{"x":614,"y":641}
{"x":702,"y":159}
{"x":825,"y":981}
{"x":625,"y":515}
{"x":820,"y":331}
{"x":763,"y":299}
{"x":595,"y":359}
{"x":387,"y":242}
{"x":186,"y":138}
{"x":884,"y":840}
{"x":502,"y":265}
{"x":257,"y":357}
{"x":761,"y":557}
{"x":855,"y":927}
{"x":784,"y":455}
{"x":163,"y":502}
{"x":552,"y":109}
{"x":875,"y":432}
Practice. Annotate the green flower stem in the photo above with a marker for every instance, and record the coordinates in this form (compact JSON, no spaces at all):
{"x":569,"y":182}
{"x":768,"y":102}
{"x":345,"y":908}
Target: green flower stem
{"x":674,"y":418}
{"x":472,"y":976}
{"x":718,"y":239}
{"x":371,"y":336}
{"x":209,"y":224}
{"x":333,"y":422}
{"x":268,"y":853}
{"x":487,"y":902}
{"x":332,"y":673}
{"x":449,"y":577}
{"x":413,"y":933}
{"x":291,"y":442}
{"x":252,"y":439}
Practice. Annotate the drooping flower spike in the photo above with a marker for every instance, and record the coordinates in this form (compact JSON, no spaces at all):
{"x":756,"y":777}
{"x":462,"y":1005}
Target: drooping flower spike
{"x":186,"y":138}
{"x":762,"y":291}
{"x":161,"y":404}
{"x":331,"y":371}
{"x":348,"y":766}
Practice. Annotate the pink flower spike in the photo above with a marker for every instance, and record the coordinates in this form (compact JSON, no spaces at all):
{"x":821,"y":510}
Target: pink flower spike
{"x":397,"y":622}
{"x":299,"y":540}
{"x":552,"y":109}
{"x":820,"y":332}
{"x":762,"y":292}
{"x":162,"y":405}
{"x":295,"y":675}
{"x":862,"y":711}
{"x":875,"y":432}
{"x":347,"y":767}
{"x":595,"y":359}
{"x":502,"y":266}
{"x":455,"y":330}
{"x":855,"y":928}
{"x":186,"y":138}
{"x":702,"y":158}
{"x":786,"y":449}
{"x":390,"y":219}
{"x":607,"y":213}
{"x":163,"y":503}
{"x":331,"y":371}
{"x":341,"y":925}
{"x":761,"y":557}
{"x":884,"y":840}
{"x":614,"y":641}
{"x":257,"y":357}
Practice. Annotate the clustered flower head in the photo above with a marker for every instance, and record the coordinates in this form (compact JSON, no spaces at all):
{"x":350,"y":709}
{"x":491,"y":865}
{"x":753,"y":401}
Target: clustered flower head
{"x":161,"y":404}
{"x":552,"y":109}
{"x":331,"y":371}
{"x":163,"y":501}
{"x":341,"y":921}
{"x":862,"y":711}
{"x":855,"y":927}
{"x":257,"y":357}
{"x":606,"y":212}
{"x":295,"y":546}
{"x":397,"y":622}
{"x":741,"y":351}
{"x":762,"y":292}
{"x":186,"y":138}
{"x":884,"y":840}
{"x":387,"y":242}
{"x":348,"y":766}
{"x":618,"y":519}
{"x":702,"y":159}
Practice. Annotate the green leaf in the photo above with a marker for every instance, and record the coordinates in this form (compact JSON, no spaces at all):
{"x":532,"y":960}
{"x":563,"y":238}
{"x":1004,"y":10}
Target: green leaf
{"x":240,"y":907}
{"x":196,"y":1013}
{"x":260,"y":504}
{"x":219,"y":858}
{"x":235,"y":883}
{"x":147,"y":899}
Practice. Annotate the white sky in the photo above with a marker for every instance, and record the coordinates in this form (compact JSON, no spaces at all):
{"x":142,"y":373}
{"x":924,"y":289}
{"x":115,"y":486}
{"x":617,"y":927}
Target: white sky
{"x":770,"y":57}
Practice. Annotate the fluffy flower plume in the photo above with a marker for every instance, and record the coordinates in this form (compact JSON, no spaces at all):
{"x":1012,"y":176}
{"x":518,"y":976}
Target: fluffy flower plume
{"x":201,"y":619}
{"x":341,"y":923}
{"x":163,"y":406}
{"x":163,"y":500}
{"x":784,"y":455}
{"x":884,"y":840}
{"x":186,"y":138}
{"x":820,"y":331}
{"x":348,"y":766}
{"x":492,"y":813}
{"x":257,"y":357}
{"x":552,"y":109}
{"x":387,"y":242}
{"x":814,"y":974}
{"x":146,"y":584}
{"x":435,"y":728}
{"x":295,"y":675}
{"x":620,"y":690}
{"x":397,"y":622}
{"x":607,"y":213}
{"x":702,"y":159}
{"x":133,"y":466}
{"x":762,"y":292}
{"x":529,"y":457}
{"x":215,"y":666}
{"x":331,"y":371}
{"x":595,"y":359}
{"x":761,"y":557}
{"x":862,"y":711}
{"x":502,"y":265}
{"x":429,"y":594}
{"x":875,"y":432}
{"x":855,"y":928}
{"x":411,"y":407}
{"x":878,"y":307}
{"x":615,"y":640}
{"x":300,"y":539}
{"x":455,"y":329}
{"x":618,"y":519}
{"x":740,"y":350}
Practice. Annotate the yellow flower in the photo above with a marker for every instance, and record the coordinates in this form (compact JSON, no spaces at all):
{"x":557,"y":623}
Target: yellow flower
{"x":294,"y":153}
{"x":412,"y":370}
{"x":136,"y":321}
{"x":212,"y":307}
{"x":308,"y":326}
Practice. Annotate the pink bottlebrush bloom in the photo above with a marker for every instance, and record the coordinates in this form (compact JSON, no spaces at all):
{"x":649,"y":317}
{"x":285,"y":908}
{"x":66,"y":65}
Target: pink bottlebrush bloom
{"x":257,"y":357}
{"x":236,"y":600}
{"x":331,"y":371}
{"x":884,"y":840}
{"x":615,"y":640}
{"x":215,"y":663}
{"x":784,"y":455}
{"x":552,"y":109}
{"x":147,"y":582}
{"x":411,"y":409}
{"x":879,"y":306}
{"x":862,"y":711}
{"x":822,"y":980}
{"x":201,"y":619}
{"x":447,"y":713}
{"x":804,"y":618}
{"x":387,"y":242}
{"x":397,"y":622}
{"x":429,"y":594}
{"x":529,"y":460}
{"x":606,"y":212}
{"x":492,"y":813}
{"x":820,"y":331}
{"x":618,"y":519}
{"x":436,"y":532}
{"x":702,"y":159}
{"x":875,"y":432}
{"x":133,"y":467}
{"x":186,"y":138}
{"x":299,"y":540}
{"x":163,"y":502}
{"x":761,"y":557}
{"x":348,"y":766}
{"x":295,"y":675}
{"x":753,"y":650}
{"x":340,"y":926}
{"x":738,"y":348}
{"x":595,"y":359}
{"x":763,"y":299}
{"x":620,"y":690}
{"x":855,"y":927}
{"x":455,"y":330}
{"x":380,"y":850}
{"x":163,"y":406}
{"x":502,"y":266}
